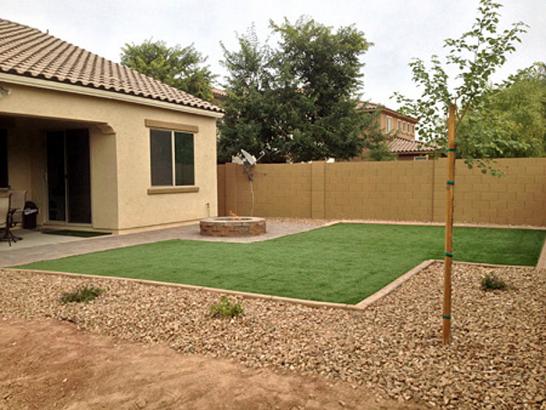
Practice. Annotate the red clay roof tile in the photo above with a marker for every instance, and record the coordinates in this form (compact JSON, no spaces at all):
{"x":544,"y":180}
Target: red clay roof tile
{"x":29,"y":52}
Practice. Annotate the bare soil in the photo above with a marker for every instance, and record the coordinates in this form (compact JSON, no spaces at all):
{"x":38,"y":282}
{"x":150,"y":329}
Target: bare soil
{"x":47,"y":363}
{"x":392,"y":348}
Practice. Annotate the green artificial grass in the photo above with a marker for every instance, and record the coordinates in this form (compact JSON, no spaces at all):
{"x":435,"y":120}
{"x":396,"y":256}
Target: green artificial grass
{"x":342,"y":263}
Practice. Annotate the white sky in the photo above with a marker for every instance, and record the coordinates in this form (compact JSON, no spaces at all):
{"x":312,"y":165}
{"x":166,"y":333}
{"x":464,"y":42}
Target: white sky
{"x":399,"y":29}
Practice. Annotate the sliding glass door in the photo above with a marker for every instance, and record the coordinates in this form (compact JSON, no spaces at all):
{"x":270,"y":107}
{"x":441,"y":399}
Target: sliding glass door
{"x":68,"y":176}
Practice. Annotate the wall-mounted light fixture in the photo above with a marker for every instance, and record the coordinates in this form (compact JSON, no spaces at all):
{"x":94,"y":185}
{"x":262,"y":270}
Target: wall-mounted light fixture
{"x":4,"y":91}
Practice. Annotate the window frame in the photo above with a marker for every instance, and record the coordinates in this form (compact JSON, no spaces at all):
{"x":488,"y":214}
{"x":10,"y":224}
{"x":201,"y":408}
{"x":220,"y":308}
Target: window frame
{"x":172,"y":133}
{"x":389,"y":124}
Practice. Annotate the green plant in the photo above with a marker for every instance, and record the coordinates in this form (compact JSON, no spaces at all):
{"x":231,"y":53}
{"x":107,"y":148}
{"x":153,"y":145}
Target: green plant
{"x":83,"y":294}
{"x":493,"y":282}
{"x":226,"y":308}
{"x":463,"y":78}
{"x":295,"y":100}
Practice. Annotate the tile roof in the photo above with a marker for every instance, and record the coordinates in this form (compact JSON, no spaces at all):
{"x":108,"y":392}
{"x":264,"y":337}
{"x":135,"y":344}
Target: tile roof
{"x":399,"y":145}
{"x":30,"y":52}
{"x":219,"y":92}
{"x":370,"y":106}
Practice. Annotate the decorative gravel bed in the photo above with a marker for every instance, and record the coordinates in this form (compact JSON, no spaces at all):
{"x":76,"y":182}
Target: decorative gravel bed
{"x":496,"y":360}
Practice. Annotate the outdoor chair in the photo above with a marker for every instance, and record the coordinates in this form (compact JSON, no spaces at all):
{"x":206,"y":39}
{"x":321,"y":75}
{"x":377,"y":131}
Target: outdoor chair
{"x":6,"y":217}
{"x":18,"y":199}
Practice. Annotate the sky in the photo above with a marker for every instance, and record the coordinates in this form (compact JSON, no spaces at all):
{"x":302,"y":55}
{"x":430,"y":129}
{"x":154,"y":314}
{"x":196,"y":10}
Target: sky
{"x":400,"y":30}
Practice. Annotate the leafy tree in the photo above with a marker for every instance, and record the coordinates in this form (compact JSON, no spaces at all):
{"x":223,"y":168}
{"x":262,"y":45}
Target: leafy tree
{"x":296,"y":102}
{"x":375,"y":145}
{"x":250,"y":121}
{"x":181,"y":67}
{"x":511,"y":121}
{"x":474,"y":56}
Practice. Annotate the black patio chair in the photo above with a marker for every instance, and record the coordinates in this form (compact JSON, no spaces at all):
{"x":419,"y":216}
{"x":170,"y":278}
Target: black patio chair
{"x":6,"y":219}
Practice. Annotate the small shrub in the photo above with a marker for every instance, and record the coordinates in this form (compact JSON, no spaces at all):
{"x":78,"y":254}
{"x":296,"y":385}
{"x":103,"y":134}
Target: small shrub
{"x":492,"y":282}
{"x":226,"y":308}
{"x":84,"y":294}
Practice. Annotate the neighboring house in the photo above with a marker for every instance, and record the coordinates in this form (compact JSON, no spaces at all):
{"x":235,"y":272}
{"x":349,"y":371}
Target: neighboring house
{"x":97,"y":145}
{"x":218,"y":96}
{"x":399,"y":130}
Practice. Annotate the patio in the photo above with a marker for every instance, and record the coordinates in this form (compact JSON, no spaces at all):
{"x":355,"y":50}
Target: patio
{"x":37,"y":246}
{"x":32,"y":239}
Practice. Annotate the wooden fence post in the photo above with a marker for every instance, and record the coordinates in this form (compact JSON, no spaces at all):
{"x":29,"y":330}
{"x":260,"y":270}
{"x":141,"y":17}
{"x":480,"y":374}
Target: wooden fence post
{"x":448,"y":256}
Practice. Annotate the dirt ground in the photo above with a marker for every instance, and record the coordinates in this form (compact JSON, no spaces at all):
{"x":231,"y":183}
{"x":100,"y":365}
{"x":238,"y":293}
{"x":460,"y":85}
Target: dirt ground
{"x":46,"y":364}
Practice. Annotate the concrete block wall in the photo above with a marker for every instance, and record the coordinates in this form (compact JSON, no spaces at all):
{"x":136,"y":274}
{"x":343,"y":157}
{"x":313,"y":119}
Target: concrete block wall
{"x":394,"y":190}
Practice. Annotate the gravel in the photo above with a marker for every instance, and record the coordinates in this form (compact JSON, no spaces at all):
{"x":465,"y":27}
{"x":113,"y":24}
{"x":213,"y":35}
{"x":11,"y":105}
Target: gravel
{"x":496,"y":360}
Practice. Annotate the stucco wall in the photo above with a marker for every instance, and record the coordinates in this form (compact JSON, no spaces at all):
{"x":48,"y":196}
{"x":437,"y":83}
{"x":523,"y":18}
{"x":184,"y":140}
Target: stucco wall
{"x":393,"y":190}
{"x":120,"y":162}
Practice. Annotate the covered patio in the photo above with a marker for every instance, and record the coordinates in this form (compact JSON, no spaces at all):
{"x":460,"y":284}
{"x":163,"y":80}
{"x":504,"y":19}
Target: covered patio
{"x":34,"y":238}
{"x":56,"y":164}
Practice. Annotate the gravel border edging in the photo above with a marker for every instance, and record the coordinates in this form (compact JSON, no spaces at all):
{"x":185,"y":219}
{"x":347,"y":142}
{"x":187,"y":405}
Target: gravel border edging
{"x":306,"y":302}
{"x":395,"y":284}
{"x":248,"y":295}
{"x":360,"y":306}
{"x":541,"y":263}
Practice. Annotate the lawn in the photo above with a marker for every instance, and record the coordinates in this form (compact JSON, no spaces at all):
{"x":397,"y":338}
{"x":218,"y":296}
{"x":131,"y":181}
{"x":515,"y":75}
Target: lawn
{"x":341,"y":263}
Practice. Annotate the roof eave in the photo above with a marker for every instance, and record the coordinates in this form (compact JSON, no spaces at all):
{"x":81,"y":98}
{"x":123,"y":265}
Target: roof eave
{"x":54,"y":85}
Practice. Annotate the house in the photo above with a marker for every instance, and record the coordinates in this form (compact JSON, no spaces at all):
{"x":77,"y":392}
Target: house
{"x":218,"y":96}
{"x":399,"y":130}
{"x":97,"y":145}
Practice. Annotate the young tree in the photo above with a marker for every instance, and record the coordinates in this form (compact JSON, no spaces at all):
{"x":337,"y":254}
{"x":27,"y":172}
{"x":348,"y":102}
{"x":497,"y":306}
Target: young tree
{"x":475,"y":56}
{"x":298,"y":101}
{"x":181,"y":67}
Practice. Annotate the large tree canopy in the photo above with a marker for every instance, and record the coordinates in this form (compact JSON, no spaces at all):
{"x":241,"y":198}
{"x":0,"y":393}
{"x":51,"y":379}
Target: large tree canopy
{"x":181,"y":67}
{"x":511,"y":120}
{"x":296,"y":101}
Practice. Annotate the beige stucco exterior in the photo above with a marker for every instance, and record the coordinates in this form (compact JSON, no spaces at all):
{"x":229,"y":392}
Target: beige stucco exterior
{"x":403,"y":126}
{"x":119,"y":154}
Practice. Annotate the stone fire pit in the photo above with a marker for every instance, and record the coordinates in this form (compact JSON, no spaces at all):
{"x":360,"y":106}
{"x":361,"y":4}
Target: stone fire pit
{"x":232,"y":226}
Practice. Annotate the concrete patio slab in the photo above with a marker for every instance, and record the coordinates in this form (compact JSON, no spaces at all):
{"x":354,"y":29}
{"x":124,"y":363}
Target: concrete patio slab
{"x":20,"y":255}
{"x":32,"y":239}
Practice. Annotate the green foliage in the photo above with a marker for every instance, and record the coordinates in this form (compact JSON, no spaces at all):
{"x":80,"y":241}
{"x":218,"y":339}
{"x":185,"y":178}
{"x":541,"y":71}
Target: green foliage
{"x":295,"y":102}
{"x":374,"y":140}
{"x":474,"y":56}
{"x":84,"y":294}
{"x":511,"y":120}
{"x":226,"y":308}
{"x":492,"y":282}
{"x":180,"y":67}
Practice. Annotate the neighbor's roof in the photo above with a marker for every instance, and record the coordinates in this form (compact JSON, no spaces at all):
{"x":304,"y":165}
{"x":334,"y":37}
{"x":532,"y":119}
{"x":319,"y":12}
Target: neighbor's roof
{"x":27,"y":51}
{"x":399,"y":145}
{"x":370,"y":106}
{"x":219,"y":92}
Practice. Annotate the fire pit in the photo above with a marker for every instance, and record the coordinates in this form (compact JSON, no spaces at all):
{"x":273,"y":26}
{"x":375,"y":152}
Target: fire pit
{"x":232,"y":226}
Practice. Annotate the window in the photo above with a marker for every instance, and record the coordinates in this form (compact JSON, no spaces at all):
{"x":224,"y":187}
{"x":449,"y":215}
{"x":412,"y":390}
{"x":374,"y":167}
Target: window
{"x":399,"y":125}
{"x":166,"y":146}
{"x":4,"y":183}
{"x":389,"y":124}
